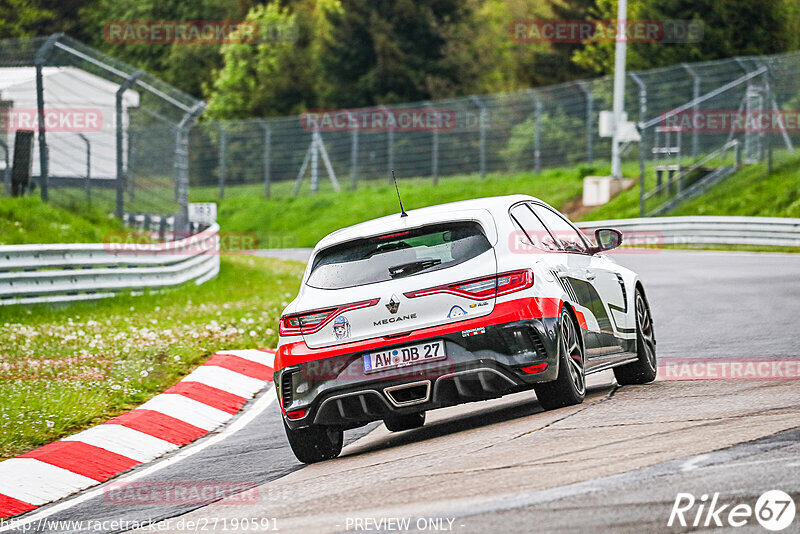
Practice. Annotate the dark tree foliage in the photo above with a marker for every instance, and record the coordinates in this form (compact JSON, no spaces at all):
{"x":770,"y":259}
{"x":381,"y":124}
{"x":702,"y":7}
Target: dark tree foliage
{"x":731,"y":28}
{"x":384,"y":51}
{"x":31,"y":18}
{"x":367,"y":52}
{"x":555,"y":65}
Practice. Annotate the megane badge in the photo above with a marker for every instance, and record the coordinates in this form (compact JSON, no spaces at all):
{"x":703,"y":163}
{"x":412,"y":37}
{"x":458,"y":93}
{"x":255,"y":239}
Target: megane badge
{"x":393,"y":305}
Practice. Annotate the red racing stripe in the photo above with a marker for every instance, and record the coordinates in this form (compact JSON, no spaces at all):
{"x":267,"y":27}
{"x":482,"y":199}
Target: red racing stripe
{"x":504,"y":312}
{"x":83,"y":459}
{"x":10,"y":506}
{"x":214,"y":397}
{"x":159,"y":426}
{"x":241,"y":366}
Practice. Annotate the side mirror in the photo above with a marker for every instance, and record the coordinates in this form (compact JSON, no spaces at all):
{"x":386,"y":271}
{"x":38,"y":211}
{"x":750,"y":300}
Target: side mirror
{"x":607,"y":239}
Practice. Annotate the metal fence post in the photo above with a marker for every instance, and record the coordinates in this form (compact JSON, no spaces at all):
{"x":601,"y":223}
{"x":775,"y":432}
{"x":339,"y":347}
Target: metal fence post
{"x":87,"y":184}
{"x":642,"y":113}
{"x":267,"y":156}
{"x":391,"y":149}
{"x":181,"y":167}
{"x":124,"y":86}
{"x":481,"y":134}
{"x":768,"y":135}
{"x":315,"y":162}
{"x":434,"y":146}
{"x":537,"y":117}
{"x":353,"y":155}
{"x":738,"y":155}
{"x":41,"y":57}
{"x":769,"y":100}
{"x":752,"y":140}
{"x":587,"y":91}
{"x":773,"y":105}
{"x":130,"y":178}
{"x":222,"y":158}
{"x":695,"y":95}
{"x":389,"y":145}
{"x":6,"y":170}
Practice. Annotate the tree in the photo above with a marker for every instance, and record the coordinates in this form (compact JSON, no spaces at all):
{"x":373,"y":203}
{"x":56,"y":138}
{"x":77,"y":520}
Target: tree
{"x":32,"y":18}
{"x":383,"y":51}
{"x":731,"y":28}
{"x":555,"y":64}
{"x":502,"y":63}
{"x":271,"y":78}
{"x":186,"y":66}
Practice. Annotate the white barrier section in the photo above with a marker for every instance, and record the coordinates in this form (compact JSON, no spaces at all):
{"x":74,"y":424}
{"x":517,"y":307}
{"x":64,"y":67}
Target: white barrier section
{"x":66,"y":272}
{"x":697,"y":230}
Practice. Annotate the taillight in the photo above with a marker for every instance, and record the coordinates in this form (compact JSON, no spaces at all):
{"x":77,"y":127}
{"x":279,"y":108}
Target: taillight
{"x":313,"y":320}
{"x":297,"y":414}
{"x":534,"y":369}
{"x":483,"y":288}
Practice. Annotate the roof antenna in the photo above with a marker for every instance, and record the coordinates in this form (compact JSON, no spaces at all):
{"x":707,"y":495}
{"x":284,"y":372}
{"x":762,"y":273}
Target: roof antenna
{"x":402,"y":210}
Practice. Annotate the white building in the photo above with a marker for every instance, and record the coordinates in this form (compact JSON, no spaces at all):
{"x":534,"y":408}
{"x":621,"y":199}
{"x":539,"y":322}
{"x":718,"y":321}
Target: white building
{"x":77,"y":103}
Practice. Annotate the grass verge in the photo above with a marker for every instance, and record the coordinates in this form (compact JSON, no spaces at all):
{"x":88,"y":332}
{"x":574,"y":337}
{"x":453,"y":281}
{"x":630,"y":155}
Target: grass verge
{"x":29,"y":220}
{"x":65,"y":368}
{"x":752,"y":191}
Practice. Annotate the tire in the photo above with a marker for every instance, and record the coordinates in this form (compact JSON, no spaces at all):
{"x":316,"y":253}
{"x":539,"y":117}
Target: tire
{"x":569,"y":387}
{"x":398,"y":423}
{"x":315,"y":443}
{"x":645,"y":368}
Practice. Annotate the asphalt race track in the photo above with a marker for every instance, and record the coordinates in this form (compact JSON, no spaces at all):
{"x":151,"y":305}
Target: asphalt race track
{"x":616,"y":462}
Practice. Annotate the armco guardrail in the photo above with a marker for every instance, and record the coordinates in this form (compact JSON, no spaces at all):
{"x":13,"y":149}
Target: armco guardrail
{"x":654,"y":231}
{"x":68,"y":272}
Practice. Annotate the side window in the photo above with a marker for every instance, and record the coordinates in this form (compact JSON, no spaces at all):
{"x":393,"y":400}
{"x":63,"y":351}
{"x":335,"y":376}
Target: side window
{"x":565,"y":234}
{"x":535,"y":232}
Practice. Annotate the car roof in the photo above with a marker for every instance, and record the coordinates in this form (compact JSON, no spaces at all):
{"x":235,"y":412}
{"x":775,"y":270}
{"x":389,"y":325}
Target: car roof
{"x":460,"y":210}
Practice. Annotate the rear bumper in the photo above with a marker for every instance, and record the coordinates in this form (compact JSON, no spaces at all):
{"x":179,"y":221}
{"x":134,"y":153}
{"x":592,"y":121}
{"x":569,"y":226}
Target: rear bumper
{"x":337,"y":391}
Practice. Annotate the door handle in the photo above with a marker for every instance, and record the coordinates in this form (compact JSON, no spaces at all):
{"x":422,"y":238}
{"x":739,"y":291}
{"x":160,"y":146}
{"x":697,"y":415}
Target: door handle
{"x":590,"y":275}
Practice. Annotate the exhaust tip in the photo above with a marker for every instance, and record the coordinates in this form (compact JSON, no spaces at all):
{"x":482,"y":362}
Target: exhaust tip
{"x":409,"y":394}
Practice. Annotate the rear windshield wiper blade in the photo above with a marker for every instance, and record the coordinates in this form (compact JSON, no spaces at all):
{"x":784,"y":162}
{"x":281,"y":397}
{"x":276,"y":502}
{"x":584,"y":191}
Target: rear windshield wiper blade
{"x":389,"y":247}
{"x":412,"y":267}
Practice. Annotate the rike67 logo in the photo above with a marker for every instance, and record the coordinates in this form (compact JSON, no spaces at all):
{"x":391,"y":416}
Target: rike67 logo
{"x":774,"y":510}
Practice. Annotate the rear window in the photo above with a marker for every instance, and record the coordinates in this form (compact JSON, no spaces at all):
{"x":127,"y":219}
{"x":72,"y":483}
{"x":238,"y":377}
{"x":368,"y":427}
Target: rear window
{"x":397,"y":255}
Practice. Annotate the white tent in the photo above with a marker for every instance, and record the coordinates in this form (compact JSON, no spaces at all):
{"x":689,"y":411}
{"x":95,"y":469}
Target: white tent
{"x":76,"y":103}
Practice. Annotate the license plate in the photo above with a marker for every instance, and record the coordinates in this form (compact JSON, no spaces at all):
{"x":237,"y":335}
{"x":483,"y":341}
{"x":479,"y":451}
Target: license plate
{"x":403,"y":356}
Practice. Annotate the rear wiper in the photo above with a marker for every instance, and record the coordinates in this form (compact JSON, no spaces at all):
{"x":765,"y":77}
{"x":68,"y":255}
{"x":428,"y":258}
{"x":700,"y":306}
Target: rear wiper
{"x":412,"y":267}
{"x":389,"y":247}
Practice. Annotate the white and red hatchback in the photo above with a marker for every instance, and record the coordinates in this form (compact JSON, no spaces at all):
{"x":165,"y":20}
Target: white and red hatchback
{"x":451,"y":304}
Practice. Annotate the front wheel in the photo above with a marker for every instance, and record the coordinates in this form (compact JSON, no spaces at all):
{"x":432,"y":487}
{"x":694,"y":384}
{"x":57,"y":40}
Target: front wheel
{"x":315,"y":443}
{"x":569,"y":387}
{"x":645,"y":368}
